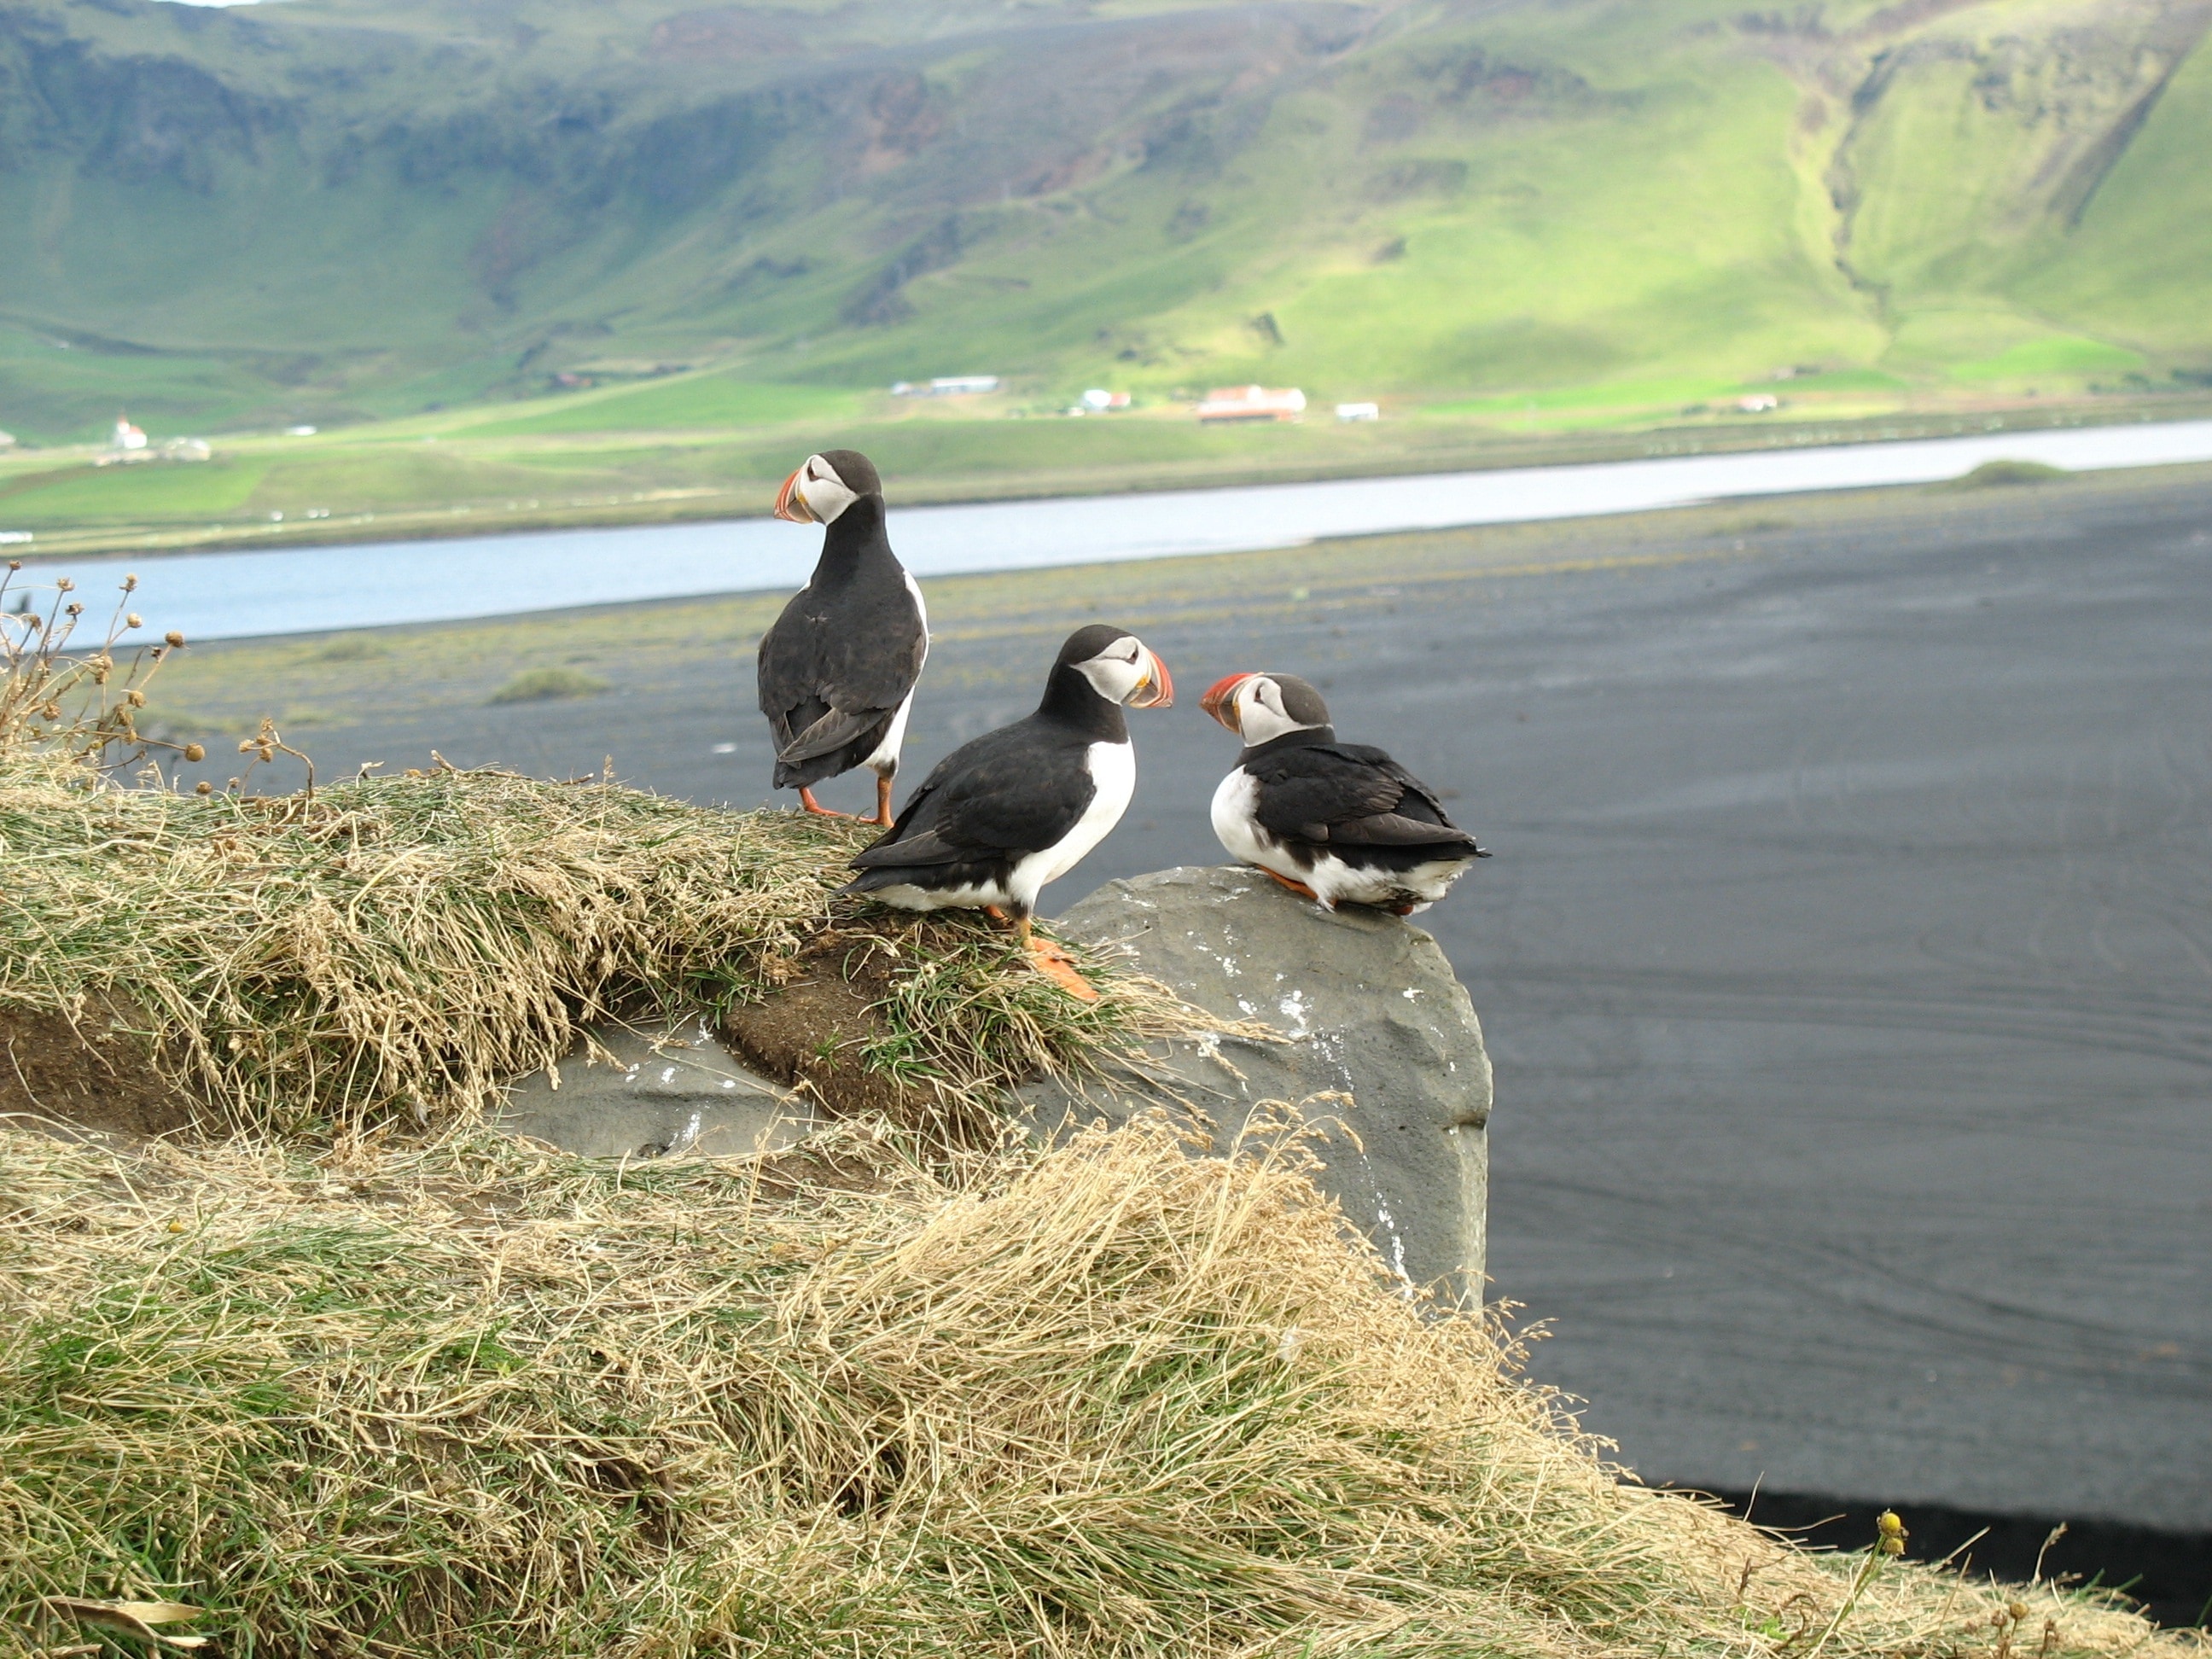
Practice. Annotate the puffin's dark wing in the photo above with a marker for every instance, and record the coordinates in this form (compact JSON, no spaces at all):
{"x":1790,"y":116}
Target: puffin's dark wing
{"x":1347,"y":793}
{"x":1005,"y":793}
{"x":825,"y":675}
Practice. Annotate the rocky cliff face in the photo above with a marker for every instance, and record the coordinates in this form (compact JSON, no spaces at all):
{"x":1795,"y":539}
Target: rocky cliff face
{"x":1379,"y":1043}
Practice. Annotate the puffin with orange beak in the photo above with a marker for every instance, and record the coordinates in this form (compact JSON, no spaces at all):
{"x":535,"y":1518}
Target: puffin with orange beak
{"x":837,"y":671}
{"x":1020,"y":806}
{"x":1338,"y":822}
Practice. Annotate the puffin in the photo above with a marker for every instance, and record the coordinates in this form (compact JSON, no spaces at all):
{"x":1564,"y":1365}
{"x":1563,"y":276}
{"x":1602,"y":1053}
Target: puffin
{"x":837,"y":672}
{"x":1020,"y":806}
{"x":1338,"y":822}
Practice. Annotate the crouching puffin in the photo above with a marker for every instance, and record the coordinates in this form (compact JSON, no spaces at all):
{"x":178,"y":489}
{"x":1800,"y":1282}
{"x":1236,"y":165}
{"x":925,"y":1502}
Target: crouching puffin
{"x":1020,"y":806}
{"x":836,"y":672}
{"x":1340,"y":822}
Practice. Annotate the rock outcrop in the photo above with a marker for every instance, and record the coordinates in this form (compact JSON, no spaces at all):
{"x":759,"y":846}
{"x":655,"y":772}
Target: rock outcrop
{"x":1379,"y":1036}
{"x":656,"y":1094}
{"x":1377,"y":1045}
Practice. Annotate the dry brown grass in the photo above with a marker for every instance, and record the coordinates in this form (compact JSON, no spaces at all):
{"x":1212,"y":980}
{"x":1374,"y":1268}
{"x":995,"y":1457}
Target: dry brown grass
{"x":1107,"y":1400}
{"x":390,"y":946}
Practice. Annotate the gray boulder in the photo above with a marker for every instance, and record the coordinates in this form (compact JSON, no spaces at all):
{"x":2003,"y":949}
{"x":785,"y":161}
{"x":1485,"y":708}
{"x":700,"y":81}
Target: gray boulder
{"x":655,"y":1093}
{"x":1382,"y":1039}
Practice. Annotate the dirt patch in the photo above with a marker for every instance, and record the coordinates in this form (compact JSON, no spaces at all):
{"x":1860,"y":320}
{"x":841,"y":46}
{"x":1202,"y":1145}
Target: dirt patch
{"x":813,"y":1029}
{"x":94,"y":1073}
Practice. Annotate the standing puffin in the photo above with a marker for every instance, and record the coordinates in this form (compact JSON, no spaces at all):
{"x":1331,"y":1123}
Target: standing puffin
{"x":836,"y":672}
{"x":1340,"y":822}
{"x":1018,"y":807}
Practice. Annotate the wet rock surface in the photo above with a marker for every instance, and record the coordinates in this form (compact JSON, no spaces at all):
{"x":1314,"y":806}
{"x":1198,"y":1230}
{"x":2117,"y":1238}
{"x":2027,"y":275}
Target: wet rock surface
{"x":1380,"y":1040}
{"x":669,"y":1089}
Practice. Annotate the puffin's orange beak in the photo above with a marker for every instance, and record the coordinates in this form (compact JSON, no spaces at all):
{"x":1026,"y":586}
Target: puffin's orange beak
{"x":1221,"y":702}
{"x":1156,"y":689}
{"x":790,"y":504}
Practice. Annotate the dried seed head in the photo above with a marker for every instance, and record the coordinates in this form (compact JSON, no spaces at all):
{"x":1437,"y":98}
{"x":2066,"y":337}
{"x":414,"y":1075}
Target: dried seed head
{"x":134,"y":621}
{"x":62,"y":584}
{"x":2017,"y":1609}
{"x":173,"y":637}
{"x":15,"y":564}
{"x":52,"y":711}
{"x":203,"y":787}
{"x":130,"y":582}
{"x":136,"y":699}
{"x":73,"y":611}
{"x":194,"y":752}
{"x":245,"y":745}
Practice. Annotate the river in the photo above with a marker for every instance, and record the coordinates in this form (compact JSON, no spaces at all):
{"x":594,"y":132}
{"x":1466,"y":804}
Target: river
{"x":365,"y":585}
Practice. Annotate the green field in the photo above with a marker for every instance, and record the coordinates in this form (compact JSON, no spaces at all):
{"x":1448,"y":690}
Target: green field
{"x":634,"y":259}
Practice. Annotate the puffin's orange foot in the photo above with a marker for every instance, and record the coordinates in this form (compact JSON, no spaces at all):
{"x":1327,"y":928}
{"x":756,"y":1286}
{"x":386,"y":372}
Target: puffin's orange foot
{"x":806,"y":799}
{"x":1297,"y":887}
{"x":1056,"y":965}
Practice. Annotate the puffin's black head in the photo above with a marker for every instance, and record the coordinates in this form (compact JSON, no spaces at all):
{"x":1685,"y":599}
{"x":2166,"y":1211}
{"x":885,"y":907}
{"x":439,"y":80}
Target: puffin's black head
{"x":826,"y":485}
{"x":1261,"y":708}
{"x":1119,"y":665}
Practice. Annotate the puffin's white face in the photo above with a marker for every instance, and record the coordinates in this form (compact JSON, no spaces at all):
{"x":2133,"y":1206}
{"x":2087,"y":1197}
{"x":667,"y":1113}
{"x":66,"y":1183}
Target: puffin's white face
{"x":1256,"y":702}
{"x":1127,"y":671}
{"x":814,"y":494}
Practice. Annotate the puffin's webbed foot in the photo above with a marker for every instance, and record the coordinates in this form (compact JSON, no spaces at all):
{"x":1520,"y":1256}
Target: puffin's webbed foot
{"x":806,"y":799}
{"x":1297,"y":887}
{"x":1056,"y":965}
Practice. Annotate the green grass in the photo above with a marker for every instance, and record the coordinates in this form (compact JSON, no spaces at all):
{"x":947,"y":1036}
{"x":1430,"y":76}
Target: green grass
{"x":2052,"y":358}
{"x":708,"y":401}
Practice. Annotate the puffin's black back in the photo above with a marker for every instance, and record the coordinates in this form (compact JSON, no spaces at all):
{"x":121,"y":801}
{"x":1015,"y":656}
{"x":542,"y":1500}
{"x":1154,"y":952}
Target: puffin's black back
{"x":1008,"y":794}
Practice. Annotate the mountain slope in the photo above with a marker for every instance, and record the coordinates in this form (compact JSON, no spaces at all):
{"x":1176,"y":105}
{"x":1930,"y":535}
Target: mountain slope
{"x":326,"y":210}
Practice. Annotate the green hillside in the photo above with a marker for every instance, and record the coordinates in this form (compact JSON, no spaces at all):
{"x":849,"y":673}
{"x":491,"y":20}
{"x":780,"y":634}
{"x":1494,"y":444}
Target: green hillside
{"x":520,"y":227}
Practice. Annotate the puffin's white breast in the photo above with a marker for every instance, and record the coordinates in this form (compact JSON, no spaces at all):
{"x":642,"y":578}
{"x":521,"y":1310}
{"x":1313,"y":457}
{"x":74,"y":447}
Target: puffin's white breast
{"x":1113,"y":767}
{"x":1235,"y":819}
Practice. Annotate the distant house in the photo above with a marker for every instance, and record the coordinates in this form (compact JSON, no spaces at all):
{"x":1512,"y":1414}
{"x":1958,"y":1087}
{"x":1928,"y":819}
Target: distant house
{"x":126,"y":435}
{"x":1358,"y":412}
{"x":1100,"y":402}
{"x":7,"y":440}
{"x":1759,"y":403}
{"x":1252,"y":403}
{"x":946,"y":386}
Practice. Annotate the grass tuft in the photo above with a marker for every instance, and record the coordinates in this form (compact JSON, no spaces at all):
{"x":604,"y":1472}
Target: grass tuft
{"x":1996,"y":474}
{"x":548,"y":685}
{"x":1105,"y":1400}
